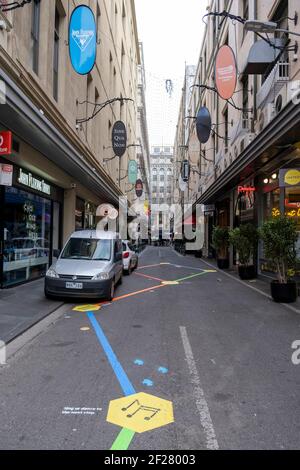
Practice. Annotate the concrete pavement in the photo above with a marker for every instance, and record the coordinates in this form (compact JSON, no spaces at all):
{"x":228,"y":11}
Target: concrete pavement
{"x":219,"y":351}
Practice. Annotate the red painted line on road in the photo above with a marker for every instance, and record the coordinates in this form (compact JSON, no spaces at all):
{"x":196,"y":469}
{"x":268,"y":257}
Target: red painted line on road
{"x":150,"y":277}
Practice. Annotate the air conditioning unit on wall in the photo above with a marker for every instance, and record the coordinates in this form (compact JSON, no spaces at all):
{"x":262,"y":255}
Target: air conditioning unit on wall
{"x":265,"y":116}
{"x":290,"y":92}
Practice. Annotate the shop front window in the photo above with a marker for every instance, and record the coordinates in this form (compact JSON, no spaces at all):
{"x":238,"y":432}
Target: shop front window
{"x":272,"y":204}
{"x":27,"y":228}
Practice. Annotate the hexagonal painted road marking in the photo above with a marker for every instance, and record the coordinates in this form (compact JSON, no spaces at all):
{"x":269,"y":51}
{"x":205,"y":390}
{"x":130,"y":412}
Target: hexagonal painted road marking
{"x":87,"y":308}
{"x":140,"y":412}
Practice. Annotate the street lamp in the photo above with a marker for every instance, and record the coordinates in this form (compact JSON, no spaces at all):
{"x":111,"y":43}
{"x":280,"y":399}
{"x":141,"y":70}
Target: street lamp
{"x":266,"y":27}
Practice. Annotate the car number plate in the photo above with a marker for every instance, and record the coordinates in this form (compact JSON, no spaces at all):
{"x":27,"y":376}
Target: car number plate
{"x":74,"y":285}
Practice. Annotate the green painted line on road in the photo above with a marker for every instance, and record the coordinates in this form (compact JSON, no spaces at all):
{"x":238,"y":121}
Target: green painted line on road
{"x":123,"y":440}
{"x":191,"y":277}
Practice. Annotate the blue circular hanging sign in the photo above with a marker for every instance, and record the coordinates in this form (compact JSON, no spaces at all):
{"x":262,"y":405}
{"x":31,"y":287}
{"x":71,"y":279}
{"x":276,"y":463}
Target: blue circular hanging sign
{"x":82,"y":39}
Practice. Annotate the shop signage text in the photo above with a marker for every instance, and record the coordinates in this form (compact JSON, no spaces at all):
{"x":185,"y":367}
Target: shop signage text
{"x":289,"y":177}
{"x":119,"y":138}
{"x":226,"y":72}
{"x":292,"y":213}
{"x":5,"y":142}
{"x":82,"y":39}
{"x":246,"y":189}
{"x":34,"y":183}
{"x":6,"y":174}
{"x":209,"y":208}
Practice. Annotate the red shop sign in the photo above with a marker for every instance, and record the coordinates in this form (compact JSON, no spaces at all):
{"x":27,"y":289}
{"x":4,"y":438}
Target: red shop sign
{"x":226,"y":72}
{"x":245,"y":189}
{"x":5,"y":142}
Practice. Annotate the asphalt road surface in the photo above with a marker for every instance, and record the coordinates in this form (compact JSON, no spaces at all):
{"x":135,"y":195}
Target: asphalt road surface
{"x":211,"y":357}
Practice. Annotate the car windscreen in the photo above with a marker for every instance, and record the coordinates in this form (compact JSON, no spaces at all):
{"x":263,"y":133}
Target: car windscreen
{"x":87,"y":249}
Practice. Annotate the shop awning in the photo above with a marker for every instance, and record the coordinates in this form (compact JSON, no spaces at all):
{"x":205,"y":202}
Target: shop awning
{"x":262,"y":55}
{"x":268,"y":149}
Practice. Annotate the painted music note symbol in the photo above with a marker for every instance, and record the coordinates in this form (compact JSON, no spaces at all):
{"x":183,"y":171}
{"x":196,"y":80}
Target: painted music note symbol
{"x":141,"y":408}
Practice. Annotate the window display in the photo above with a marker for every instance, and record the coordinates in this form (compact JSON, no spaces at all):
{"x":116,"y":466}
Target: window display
{"x":27,"y":228}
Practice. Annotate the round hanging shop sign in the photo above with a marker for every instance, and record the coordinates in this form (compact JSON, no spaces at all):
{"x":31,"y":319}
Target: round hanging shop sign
{"x":226,"y":72}
{"x":139,"y":188}
{"x":82,"y":39}
{"x":203,"y":125}
{"x":119,"y":138}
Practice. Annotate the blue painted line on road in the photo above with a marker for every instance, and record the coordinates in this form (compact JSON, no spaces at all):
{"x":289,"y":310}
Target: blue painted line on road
{"x":124,"y":381}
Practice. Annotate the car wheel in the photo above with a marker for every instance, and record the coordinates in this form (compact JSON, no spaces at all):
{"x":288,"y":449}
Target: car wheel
{"x":111,"y":292}
{"x":129,"y":271}
{"x":48,"y":296}
{"x":121,"y":279}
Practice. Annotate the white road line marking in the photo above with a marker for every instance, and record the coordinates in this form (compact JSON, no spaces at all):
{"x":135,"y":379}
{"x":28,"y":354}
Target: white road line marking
{"x":201,"y":403}
{"x":293,"y":309}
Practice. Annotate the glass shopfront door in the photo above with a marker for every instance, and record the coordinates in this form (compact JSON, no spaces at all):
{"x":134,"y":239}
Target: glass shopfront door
{"x":26,"y":236}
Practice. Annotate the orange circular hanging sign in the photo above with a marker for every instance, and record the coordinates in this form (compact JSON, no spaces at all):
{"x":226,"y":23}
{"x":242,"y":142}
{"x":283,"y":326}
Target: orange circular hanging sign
{"x":226,"y":72}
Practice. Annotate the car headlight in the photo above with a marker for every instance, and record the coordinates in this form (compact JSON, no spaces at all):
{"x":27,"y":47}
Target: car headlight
{"x":101,"y":277}
{"x":52,"y":273}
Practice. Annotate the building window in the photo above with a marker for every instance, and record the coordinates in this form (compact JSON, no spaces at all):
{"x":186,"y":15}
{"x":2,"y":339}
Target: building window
{"x":35,"y":35}
{"x":245,"y":100}
{"x":56,"y":54}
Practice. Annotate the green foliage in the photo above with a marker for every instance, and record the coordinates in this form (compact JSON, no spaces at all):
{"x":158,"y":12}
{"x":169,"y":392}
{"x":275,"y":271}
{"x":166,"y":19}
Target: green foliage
{"x":244,"y":239}
{"x":220,"y":240}
{"x":279,"y":236}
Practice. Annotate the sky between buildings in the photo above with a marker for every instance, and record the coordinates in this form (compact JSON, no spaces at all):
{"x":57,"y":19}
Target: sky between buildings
{"x":171,"y":32}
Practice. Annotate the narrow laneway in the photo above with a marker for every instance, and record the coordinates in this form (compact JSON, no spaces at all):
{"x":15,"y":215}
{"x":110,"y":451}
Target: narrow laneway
{"x":177,"y":330}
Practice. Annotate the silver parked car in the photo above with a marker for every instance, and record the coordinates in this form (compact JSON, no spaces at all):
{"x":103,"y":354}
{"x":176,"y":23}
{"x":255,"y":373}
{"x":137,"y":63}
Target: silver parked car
{"x":89,"y":266}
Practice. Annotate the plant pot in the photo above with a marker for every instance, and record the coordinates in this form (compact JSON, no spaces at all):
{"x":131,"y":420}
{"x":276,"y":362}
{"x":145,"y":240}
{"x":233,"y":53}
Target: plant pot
{"x":223,"y":263}
{"x":247,"y":272}
{"x":284,"y":293}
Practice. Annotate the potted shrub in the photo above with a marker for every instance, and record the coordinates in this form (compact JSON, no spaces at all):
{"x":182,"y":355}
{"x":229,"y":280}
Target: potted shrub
{"x":279,"y":236}
{"x":245,"y":239}
{"x":220,"y":242}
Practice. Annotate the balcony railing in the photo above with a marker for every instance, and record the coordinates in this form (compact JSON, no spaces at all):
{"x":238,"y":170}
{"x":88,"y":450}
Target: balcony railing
{"x":273,"y":84}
